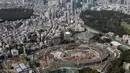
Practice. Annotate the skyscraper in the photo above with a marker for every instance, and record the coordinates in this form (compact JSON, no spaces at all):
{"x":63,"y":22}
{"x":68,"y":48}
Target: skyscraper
{"x":73,"y":5}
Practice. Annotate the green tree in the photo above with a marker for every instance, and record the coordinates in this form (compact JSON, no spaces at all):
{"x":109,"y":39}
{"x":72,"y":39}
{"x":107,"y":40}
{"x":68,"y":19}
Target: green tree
{"x":116,"y":65}
{"x":87,"y":70}
{"x":105,"y":21}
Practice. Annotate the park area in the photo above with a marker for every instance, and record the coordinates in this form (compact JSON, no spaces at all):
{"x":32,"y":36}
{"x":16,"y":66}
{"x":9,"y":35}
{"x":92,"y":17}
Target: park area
{"x":126,"y":26}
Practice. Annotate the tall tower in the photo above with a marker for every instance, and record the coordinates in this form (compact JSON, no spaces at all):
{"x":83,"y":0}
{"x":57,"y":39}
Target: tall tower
{"x":23,"y":2}
{"x":125,"y":2}
{"x":72,"y":5}
{"x":122,"y":1}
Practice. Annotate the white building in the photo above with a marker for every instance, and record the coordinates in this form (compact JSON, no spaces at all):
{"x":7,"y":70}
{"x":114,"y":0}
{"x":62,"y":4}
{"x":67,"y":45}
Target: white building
{"x":14,"y":52}
{"x":115,"y":44}
{"x":129,"y":42}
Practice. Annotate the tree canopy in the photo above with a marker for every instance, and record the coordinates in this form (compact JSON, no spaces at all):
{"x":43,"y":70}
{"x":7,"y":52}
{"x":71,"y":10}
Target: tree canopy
{"x":87,"y":70}
{"x":105,"y":21}
{"x":116,"y":65}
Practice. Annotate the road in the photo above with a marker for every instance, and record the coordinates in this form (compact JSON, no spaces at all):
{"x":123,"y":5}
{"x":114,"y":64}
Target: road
{"x":92,"y":30}
{"x":111,"y":58}
{"x":52,"y":25}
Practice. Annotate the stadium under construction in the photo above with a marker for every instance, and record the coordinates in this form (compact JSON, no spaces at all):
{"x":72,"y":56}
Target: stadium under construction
{"x":72,"y":57}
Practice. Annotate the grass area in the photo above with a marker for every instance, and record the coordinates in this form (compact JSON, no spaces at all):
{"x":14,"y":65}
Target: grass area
{"x":65,"y":64}
{"x":68,"y":67}
{"x":125,"y":25}
{"x":127,"y":30}
{"x":69,"y":64}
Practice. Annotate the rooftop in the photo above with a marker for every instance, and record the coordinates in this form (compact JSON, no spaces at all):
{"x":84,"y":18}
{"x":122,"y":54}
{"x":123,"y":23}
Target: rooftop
{"x":116,"y":43}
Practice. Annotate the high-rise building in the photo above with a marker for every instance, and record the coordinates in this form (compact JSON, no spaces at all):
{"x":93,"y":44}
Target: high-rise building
{"x":122,"y":1}
{"x":23,"y":2}
{"x":73,"y":5}
{"x":63,"y":1}
{"x":90,"y":2}
{"x":44,"y":2}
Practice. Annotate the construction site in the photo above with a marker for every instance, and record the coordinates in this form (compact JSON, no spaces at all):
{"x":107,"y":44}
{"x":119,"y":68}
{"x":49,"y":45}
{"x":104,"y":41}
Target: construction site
{"x":79,"y":55}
